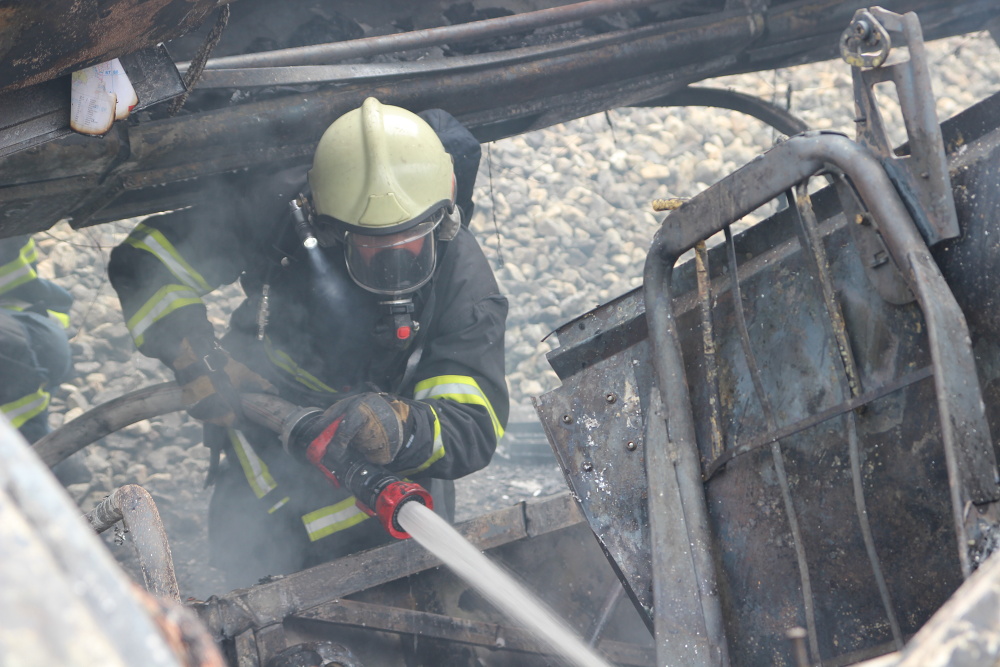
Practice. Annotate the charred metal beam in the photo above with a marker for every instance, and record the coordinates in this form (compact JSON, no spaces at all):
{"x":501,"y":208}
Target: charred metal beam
{"x":163,"y":164}
{"x":45,"y":39}
{"x":229,"y":615}
{"x":477,"y":633}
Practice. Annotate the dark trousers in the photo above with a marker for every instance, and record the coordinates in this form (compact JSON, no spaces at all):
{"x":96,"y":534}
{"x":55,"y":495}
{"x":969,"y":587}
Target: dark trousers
{"x":34,"y":353}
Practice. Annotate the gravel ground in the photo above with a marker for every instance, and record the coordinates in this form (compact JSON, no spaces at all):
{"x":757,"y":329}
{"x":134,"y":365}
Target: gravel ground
{"x":564,"y":217}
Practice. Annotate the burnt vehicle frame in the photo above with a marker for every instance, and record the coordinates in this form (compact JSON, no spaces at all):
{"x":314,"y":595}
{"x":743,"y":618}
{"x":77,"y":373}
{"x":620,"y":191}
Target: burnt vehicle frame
{"x":135,"y":157}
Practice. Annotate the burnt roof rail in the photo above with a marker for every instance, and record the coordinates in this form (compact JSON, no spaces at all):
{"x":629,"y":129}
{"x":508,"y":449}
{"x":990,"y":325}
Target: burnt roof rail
{"x":461,"y":33}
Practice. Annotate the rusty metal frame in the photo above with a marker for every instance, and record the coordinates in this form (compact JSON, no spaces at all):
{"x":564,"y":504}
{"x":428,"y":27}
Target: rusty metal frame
{"x":134,"y":507}
{"x":968,"y":449}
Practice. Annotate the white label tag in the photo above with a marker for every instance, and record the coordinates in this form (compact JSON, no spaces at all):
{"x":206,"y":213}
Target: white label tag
{"x":100,"y":95}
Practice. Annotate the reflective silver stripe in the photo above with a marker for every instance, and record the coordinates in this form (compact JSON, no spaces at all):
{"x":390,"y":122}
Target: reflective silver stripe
{"x":287,"y":364}
{"x":15,"y":274}
{"x":254,"y":468}
{"x":333,"y":518}
{"x":166,"y":300}
{"x":156,"y":243}
{"x":461,"y":389}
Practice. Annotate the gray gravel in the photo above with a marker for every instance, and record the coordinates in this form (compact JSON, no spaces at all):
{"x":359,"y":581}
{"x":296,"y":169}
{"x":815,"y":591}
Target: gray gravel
{"x":564,"y":217}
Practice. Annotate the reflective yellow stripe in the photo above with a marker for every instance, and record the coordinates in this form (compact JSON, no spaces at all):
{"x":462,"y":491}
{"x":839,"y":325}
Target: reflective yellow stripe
{"x":16,"y":273}
{"x":29,"y":252}
{"x":19,"y":271}
{"x":153,"y":241}
{"x":436,"y":452}
{"x":61,"y":318}
{"x":254,"y":468}
{"x":332,"y":519}
{"x":20,"y":306}
{"x":461,"y":389}
{"x":166,"y":300}
{"x":14,"y":304}
{"x":25,"y":408}
{"x":278,"y":505}
{"x":285,"y":363}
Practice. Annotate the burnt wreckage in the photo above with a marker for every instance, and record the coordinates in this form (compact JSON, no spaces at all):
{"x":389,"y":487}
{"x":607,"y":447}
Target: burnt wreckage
{"x":783,"y":447}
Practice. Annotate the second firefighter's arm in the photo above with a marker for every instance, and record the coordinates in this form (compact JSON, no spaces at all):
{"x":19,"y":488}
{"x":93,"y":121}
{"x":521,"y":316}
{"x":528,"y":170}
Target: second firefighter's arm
{"x":161,"y":272}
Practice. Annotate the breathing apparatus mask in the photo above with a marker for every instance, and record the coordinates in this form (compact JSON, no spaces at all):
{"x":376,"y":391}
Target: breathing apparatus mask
{"x":392,"y":265}
{"x":383,"y":186}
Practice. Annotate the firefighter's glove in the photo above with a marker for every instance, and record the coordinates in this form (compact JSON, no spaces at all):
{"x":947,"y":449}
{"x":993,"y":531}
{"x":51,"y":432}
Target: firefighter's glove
{"x":211,"y":382}
{"x":375,"y":425}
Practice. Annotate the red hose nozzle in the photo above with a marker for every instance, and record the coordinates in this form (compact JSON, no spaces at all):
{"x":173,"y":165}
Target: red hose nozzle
{"x":393,"y":497}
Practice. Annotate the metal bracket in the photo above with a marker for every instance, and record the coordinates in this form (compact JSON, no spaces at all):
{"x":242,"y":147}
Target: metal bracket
{"x":918,"y":169}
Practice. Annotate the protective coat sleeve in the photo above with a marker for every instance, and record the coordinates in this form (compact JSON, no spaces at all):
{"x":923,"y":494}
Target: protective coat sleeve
{"x":459,"y":393}
{"x":164,"y":268}
{"x":169,"y":262}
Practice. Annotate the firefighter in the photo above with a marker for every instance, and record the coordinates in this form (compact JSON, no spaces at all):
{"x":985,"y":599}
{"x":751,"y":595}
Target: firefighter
{"x":366,"y":295}
{"x":34,"y":348}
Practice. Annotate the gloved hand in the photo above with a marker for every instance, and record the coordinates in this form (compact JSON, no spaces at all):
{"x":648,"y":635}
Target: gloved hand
{"x":211,"y":381}
{"x":372,"y":424}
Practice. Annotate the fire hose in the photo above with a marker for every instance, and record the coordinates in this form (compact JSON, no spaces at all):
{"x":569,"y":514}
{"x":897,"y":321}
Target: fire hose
{"x":377,"y":491}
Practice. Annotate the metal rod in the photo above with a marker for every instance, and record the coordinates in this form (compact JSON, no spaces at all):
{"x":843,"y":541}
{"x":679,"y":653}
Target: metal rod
{"x":818,"y":418}
{"x":708,"y":346}
{"x":134,"y":507}
{"x":808,"y":605}
{"x":681,"y":461}
{"x":320,"y":54}
{"x":812,"y":244}
{"x":665,"y":35}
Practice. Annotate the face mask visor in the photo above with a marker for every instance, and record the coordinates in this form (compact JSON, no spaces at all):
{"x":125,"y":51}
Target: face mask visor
{"x":392,"y":264}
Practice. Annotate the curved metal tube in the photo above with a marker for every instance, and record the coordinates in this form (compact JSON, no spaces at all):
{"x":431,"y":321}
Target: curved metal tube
{"x":702,"y":96}
{"x":134,"y":507}
{"x":320,"y":54}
